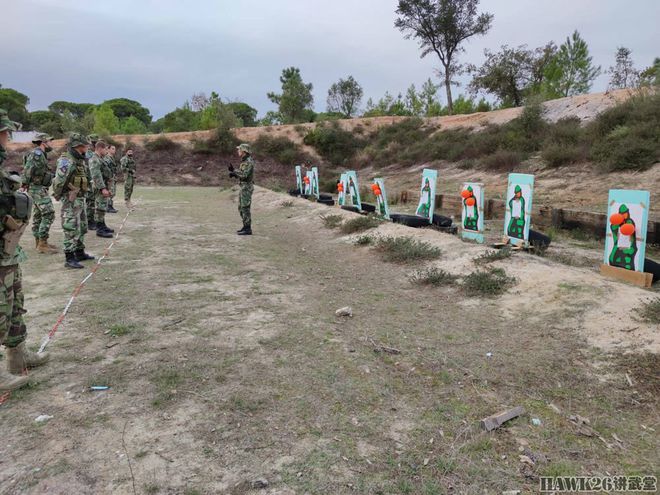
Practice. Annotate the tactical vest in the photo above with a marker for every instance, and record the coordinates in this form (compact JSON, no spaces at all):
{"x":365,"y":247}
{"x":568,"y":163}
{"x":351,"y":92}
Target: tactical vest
{"x":79,"y":178}
{"x":41,"y":175}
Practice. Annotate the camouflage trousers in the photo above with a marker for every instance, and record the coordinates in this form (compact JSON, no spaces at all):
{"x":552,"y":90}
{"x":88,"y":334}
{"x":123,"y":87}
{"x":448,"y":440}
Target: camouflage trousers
{"x":73,"y":215}
{"x":43,"y":214}
{"x":113,"y":191}
{"x":12,"y":327}
{"x":101,"y":206}
{"x":128,"y":187}
{"x":244,"y":203}
{"x":89,"y":209}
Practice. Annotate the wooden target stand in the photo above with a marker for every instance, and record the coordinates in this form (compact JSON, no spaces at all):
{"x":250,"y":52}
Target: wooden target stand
{"x":641,"y":279}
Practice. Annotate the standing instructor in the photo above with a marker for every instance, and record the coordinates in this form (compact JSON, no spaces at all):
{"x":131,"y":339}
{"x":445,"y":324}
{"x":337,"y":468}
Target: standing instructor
{"x":245,"y":176}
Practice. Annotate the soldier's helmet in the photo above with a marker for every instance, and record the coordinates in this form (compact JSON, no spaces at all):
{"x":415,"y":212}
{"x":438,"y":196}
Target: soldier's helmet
{"x":244,"y":147}
{"x":42,"y":138}
{"x":92,"y":138}
{"x":77,"y":139}
{"x":6,"y":124}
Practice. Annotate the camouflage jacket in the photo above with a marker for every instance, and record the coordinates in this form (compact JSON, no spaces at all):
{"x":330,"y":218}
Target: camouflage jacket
{"x":100,"y":171}
{"x":8,"y":208}
{"x":128,"y":165}
{"x":245,"y":172}
{"x":36,"y":171}
{"x":111,"y":163}
{"x":71,"y":175}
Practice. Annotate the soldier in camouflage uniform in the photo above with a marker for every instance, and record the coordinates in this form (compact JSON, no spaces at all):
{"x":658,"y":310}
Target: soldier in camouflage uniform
{"x":112,"y":166}
{"x":101,"y":177}
{"x":71,"y":185}
{"x":37,"y":177}
{"x":15,"y":209}
{"x":129,"y":168}
{"x":88,"y":214}
{"x":245,"y":176}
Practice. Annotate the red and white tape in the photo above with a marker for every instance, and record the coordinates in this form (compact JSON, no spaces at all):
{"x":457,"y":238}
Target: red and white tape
{"x":49,"y":337}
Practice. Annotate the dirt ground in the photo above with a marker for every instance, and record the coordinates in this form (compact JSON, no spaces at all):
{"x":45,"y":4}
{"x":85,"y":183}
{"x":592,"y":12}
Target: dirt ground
{"x":230,"y":373}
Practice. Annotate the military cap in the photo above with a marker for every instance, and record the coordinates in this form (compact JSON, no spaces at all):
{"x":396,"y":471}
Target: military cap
{"x":244,"y":147}
{"x":92,"y":138}
{"x":41,"y":138}
{"x":77,"y":139}
{"x":6,"y":124}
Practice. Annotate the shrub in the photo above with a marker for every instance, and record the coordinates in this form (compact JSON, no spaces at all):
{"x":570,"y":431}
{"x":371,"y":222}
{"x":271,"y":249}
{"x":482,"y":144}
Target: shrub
{"x":651,"y":311}
{"x":281,"y":149}
{"x":364,"y":240}
{"x":487,"y":283}
{"x":556,"y":155}
{"x":433,"y":276}
{"x":493,"y":255}
{"x":161,"y":143}
{"x":360,"y":224}
{"x":328,"y":183}
{"x":333,"y":143}
{"x":502,"y":160}
{"x":406,"y":250}
{"x":332,"y":221}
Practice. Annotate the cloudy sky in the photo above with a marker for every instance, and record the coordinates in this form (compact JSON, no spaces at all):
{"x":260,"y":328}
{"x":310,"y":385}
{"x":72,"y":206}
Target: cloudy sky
{"x":160,"y":52}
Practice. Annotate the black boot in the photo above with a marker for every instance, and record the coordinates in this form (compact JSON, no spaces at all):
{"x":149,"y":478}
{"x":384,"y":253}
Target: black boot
{"x":111,"y":208}
{"x":101,"y":232}
{"x":91,"y":225}
{"x":81,"y":255}
{"x":103,"y":226}
{"x":71,"y":261}
{"x":245,"y":231}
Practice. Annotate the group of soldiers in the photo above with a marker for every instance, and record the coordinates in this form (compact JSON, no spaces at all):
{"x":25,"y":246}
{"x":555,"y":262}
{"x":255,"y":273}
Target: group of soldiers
{"x":85,"y":182}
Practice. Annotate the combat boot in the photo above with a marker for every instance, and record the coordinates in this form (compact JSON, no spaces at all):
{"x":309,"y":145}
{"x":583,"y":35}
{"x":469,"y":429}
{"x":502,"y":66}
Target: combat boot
{"x":19,"y":358}
{"x":81,"y":255}
{"x":101,"y":232}
{"x":91,"y":225}
{"x":9,"y":382}
{"x":103,"y":226}
{"x":50,"y":246}
{"x":111,"y":209}
{"x":43,"y":248}
{"x":245,"y":231}
{"x":71,"y":261}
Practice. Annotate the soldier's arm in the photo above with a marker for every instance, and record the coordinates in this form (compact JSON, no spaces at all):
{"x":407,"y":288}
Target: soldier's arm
{"x":28,"y":169}
{"x":97,"y":175}
{"x":246,"y":172}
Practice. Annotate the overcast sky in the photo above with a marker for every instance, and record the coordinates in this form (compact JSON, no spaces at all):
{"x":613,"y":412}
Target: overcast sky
{"x":160,"y":52}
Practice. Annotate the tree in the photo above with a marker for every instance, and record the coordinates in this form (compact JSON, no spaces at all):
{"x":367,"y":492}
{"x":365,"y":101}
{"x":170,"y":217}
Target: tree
{"x":16,"y":104}
{"x":132,"y":125}
{"x":124,"y":108}
{"x":199,"y":101}
{"x":73,"y":123}
{"x":414,"y":103}
{"x":78,"y":110}
{"x":441,"y":27}
{"x":431,"y":106}
{"x":179,"y":120}
{"x":46,"y":121}
{"x":387,"y":105}
{"x":624,"y":74}
{"x":245,"y":113}
{"x":106,"y":122}
{"x":512,"y":74}
{"x":296,"y":100}
{"x":345,"y":96}
{"x":570,"y":72}
{"x":651,"y":75}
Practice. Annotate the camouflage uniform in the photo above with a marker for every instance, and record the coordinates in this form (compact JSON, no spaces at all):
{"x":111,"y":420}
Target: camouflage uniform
{"x":245,"y":175}
{"x":129,"y":168}
{"x":37,"y":177}
{"x":101,"y":177}
{"x":111,"y":164}
{"x":71,"y":184}
{"x":15,"y":211}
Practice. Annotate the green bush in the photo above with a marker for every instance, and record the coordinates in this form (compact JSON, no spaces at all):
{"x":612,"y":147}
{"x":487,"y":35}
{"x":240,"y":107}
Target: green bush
{"x":433,"y":276}
{"x":333,"y":143}
{"x":364,"y":240}
{"x":161,"y":143}
{"x":487,"y":283}
{"x":493,"y":255}
{"x":360,"y":224}
{"x":332,"y":221}
{"x":281,"y":149}
{"x":406,"y":250}
{"x":502,"y":160}
{"x":651,"y":311}
{"x":556,"y":155}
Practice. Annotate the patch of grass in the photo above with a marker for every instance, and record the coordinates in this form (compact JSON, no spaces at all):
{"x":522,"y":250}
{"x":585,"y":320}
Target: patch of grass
{"x":360,"y":224}
{"x":433,"y":276}
{"x":487,"y":283}
{"x":364,"y":240}
{"x":165,"y":380}
{"x":161,"y":143}
{"x":493,"y":255}
{"x":406,"y":250}
{"x":120,"y":329}
{"x":287,"y":204}
{"x":151,"y":488}
{"x":651,"y":311}
{"x":332,"y":221}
